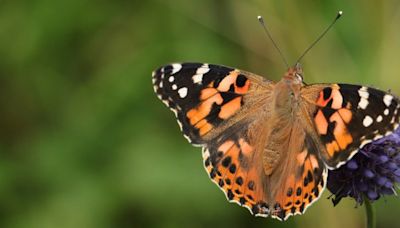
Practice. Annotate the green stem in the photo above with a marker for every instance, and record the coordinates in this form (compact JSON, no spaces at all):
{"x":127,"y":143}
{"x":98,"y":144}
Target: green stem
{"x":370,"y":213}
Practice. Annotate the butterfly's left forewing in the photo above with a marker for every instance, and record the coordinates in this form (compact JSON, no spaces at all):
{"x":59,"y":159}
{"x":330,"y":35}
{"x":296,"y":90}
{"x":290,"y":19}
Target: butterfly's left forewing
{"x":207,"y":99}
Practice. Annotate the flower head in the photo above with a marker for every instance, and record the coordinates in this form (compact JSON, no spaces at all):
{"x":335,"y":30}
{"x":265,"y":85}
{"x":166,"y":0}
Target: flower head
{"x":373,"y":172}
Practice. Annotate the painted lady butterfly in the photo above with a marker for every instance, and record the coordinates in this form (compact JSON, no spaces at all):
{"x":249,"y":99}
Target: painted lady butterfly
{"x":269,"y":145}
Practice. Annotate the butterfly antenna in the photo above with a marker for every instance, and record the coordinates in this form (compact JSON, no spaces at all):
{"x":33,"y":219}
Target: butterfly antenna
{"x":261,"y":20}
{"x":339,"y":14}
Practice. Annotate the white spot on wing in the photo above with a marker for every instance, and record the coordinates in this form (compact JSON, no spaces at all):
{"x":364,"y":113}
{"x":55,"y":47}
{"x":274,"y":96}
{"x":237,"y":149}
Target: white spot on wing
{"x":165,"y":102}
{"x":388,"y":133}
{"x":183,"y":92}
{"x":379,"y":119}
{"x":175,"y":112}
{"x":161,"y":84}
{"x":187,"y":138}
{"x":171,"y":78}
{"x":363,"y":92}
{"x":203,"y":69}
{"x":180,"y":125}
{"x":365,"y":142}
{"x":198,"y":77}
{"x":386,"y":112}
{"x":363,"y":103}
{"x":387,"y":99}
{"x":377,"y":137}
{"x":174,"y":87}
{"x":176,"y":67}
{"x":367,"y":121}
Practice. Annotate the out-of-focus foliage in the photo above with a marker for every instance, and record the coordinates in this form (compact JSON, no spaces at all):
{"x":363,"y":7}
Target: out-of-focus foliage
{"x":84,"y":142}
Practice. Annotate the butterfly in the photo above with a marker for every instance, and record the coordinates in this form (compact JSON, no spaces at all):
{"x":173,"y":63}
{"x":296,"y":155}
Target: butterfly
{"x":269,"y":145}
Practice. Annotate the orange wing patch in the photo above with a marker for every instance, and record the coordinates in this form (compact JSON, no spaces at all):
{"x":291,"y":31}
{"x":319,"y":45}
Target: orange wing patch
{"x":331,"y":110}
{"x":205,"y":128}
{"x":345,"y":114}
{"x":332,"y":148}
{"x":230,"y":108}
{"x":210,"y":96}
{"x":321,"y":123}
{"x":245,"y":147}
{"x":238,"y":81}
{"x":207,"y":93}
{"x":201,"y":111}
{"x":342,"y":136}
{"x":330,"y":94}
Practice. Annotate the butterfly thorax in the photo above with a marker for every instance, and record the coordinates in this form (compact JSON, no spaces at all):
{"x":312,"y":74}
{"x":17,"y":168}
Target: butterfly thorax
{"x":287,"y":90}
{"x":285,"y":100}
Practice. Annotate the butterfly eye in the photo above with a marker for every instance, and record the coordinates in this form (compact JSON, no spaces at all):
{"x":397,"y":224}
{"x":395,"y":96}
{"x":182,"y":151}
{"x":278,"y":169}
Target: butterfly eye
{"x":299,"y":76}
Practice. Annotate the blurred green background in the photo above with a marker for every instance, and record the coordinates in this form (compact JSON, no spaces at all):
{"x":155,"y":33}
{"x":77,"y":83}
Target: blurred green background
{"x":84,"y":142}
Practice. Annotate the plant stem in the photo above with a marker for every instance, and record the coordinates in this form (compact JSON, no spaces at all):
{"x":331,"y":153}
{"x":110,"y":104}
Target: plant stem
{"x":370,"y":214}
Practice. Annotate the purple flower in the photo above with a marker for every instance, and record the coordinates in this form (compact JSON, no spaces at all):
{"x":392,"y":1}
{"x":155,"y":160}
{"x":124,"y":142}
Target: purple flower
{"x":373,"y":172}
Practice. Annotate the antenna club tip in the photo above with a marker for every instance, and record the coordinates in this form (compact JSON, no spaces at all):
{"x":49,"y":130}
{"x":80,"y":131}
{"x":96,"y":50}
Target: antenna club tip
{"x":339,"y":14}
{"x":259,"y":18}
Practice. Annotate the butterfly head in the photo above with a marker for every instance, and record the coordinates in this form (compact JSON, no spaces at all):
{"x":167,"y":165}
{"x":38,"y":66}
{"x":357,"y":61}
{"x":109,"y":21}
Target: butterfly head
{"x":293,"y":80}
{"x":294,"y":75}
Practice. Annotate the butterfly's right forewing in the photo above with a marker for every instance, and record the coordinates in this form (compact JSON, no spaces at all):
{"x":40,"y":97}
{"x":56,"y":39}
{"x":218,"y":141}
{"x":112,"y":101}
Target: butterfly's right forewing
{"x":346,"y":117}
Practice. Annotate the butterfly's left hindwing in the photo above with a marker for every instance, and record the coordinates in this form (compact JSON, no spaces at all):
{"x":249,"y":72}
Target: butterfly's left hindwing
{"x":347,"y":117}
{"x":231,"y":162}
